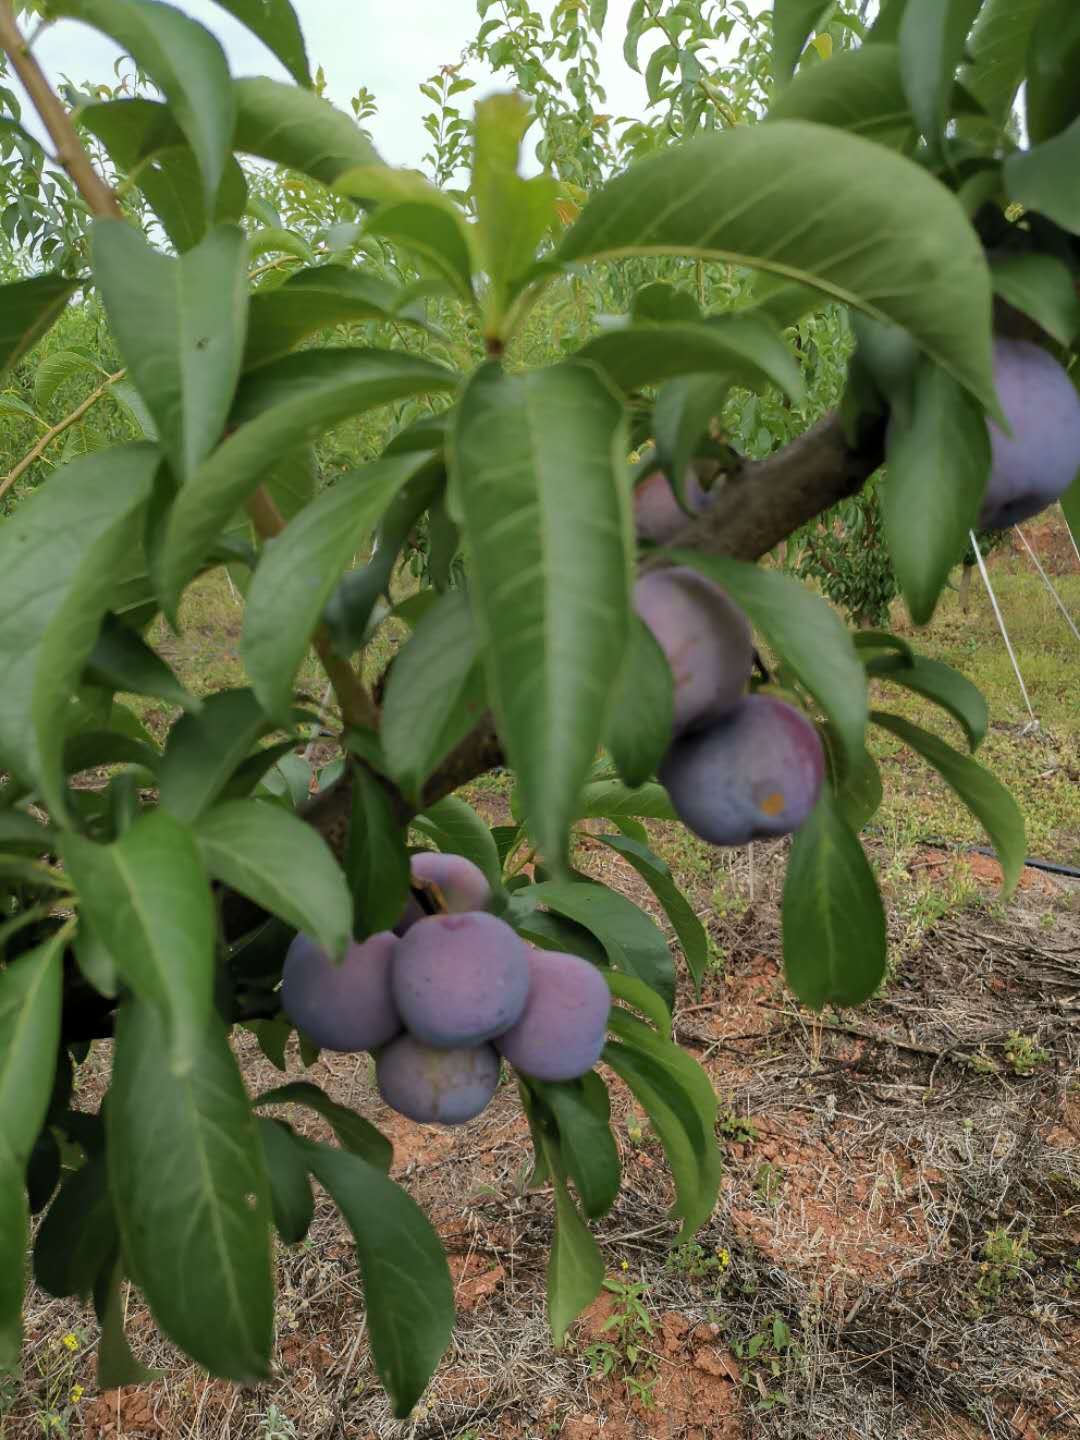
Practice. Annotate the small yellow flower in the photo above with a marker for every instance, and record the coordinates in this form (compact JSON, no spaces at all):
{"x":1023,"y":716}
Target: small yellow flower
{"x":70,"y":1341}
{"x":724,"y":1257}
{"x":624,"y":1266}
{"x":77,"y":1393}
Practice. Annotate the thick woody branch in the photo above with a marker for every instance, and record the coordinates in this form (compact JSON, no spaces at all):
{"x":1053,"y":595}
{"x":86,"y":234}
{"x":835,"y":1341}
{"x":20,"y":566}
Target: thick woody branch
{"x":760,"y":504}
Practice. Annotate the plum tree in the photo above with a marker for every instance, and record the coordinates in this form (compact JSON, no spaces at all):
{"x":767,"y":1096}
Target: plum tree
{"x":454,"y":882}
{"x":460,"y":979}
{"x":657,"y":514}
{"x":564,"y":1024}
{"x":433,"y":1086}
{"x":706,"y":639}
{"x":1036,"y":464}
{"x":754,"y":774}
{"x":341,"y":1007}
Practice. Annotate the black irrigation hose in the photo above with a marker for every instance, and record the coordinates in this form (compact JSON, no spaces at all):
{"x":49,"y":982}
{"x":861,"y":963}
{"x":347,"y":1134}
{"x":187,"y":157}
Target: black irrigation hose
{"x":1029,"y":863}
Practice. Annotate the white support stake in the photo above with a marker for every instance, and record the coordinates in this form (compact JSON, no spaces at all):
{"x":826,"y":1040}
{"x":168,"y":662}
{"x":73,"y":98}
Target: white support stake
{"x":1048,"y":583}
{"x":1001,"y":626}
{"x":1068,"y":531}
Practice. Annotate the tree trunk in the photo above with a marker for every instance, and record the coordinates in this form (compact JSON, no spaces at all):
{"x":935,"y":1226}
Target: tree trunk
{"x":965,"y":588}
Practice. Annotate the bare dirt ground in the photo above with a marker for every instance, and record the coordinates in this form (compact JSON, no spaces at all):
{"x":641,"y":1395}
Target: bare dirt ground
{"x":895,"y":1254}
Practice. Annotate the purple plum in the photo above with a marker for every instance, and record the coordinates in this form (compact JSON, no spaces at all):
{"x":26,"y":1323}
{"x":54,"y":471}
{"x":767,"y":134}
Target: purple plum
{"x":1036,"y":464}
{"x":341,"y":1007}
{"x":564,"y":1024}
{"x":658,"y":516}
{"x":454,"y":884}
{"x":756,"y":773}
{"x":459,"y":980}
{"x":436,"y":1087}
{"x":705,"y":637}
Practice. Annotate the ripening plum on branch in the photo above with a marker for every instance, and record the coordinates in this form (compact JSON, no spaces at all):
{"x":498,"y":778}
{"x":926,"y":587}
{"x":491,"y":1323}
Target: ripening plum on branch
{"x":1036,"y":464}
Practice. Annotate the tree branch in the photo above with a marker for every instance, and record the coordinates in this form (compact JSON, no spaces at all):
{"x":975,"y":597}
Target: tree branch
{"x":759,"y":504}
{"x":36,"y":452}
{"x":69,"y":151}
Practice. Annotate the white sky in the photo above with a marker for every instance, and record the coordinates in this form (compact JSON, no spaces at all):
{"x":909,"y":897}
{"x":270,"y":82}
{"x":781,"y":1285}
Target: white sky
{"x":388,"y":45}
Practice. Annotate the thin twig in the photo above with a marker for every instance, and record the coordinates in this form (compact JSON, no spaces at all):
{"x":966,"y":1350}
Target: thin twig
{"x":57,"y":430}
{"x":357,"y":707}
{"x":69,"y":151}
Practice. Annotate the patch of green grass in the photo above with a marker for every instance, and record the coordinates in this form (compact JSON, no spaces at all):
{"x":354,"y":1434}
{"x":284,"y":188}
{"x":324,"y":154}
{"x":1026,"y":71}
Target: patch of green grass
{"x":1039,"y":768}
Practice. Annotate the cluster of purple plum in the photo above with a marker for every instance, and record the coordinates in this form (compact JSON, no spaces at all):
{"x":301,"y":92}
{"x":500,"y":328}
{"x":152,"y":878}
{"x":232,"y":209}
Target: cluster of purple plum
{"x":740,"y":766}
{"x":444,"y":997}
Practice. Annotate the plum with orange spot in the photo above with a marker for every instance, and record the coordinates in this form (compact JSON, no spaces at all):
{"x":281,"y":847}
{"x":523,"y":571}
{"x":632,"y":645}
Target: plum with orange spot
{"x":755,"y":774}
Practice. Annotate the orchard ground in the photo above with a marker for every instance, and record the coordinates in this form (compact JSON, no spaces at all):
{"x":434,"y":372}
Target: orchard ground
{"x":896,"y":1251}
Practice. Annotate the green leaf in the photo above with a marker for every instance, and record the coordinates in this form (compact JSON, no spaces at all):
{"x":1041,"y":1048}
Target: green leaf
{"x":204,"y":751}
{"x":641,"y":997}
{"x":276,"y":241}
{"x":1042,"y":287}
{"x":612,"y":800}
{"x":27,"y":310}
{"x":997,"y":47}
{"x":859,"y":794}
{"x":11,"y":405}
{"x":408,"y":1294}
{"x":575,"y":1266}
{"x":1052,"y":64}
{"x":116,"y":1366}
{"x":744,"y":348}
{"x":352,"y":1130}
{"x":299,"y":570}
{"x":191,"y":1194}
{"x":296,"y":129}
{"x":891,"y":240}
{"x":537,"y":472}
{"x":55,"y":370}
{"x":283,"y":864}
{"x":639,"y":731}
{"x":793,"y":20}
{"x":376,"y":860}
{"x":682,"y":1070}
{"x":30,"y":989}
{"x":314,"y":300}
{"x":984,"y":796}
{"x":869,"y":643}
{"x":59,"y":554}
{"x":654,"y":871}
{"x":833,"y":918}
{"x":512,"y":214}
{"x":554,"y":932}
{"x":184,"y":61}
{"x":689,"y":1144}
{"x":456,"y":827}
{"x":941,"y":684}
{"x":682,"y":418}
{"x":290,"y":1188}
{"x":276,"y":25}
{"x":148,"y":900}
{"x":435,"y":693}
{"x":939,"y":463}
{"x":859,"y":90}
{"x":806,"y":634}
{"x":932,"y":35}
{"x":587,"y":1148}
{"x":180,"y":326}
{"x":430,"y":231}
{"x":1047,"y":178}
{"x":122,"y":660}
{"x":293,"y":400}
{"x":632,"y":941}
{"x":78,"y":1237}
